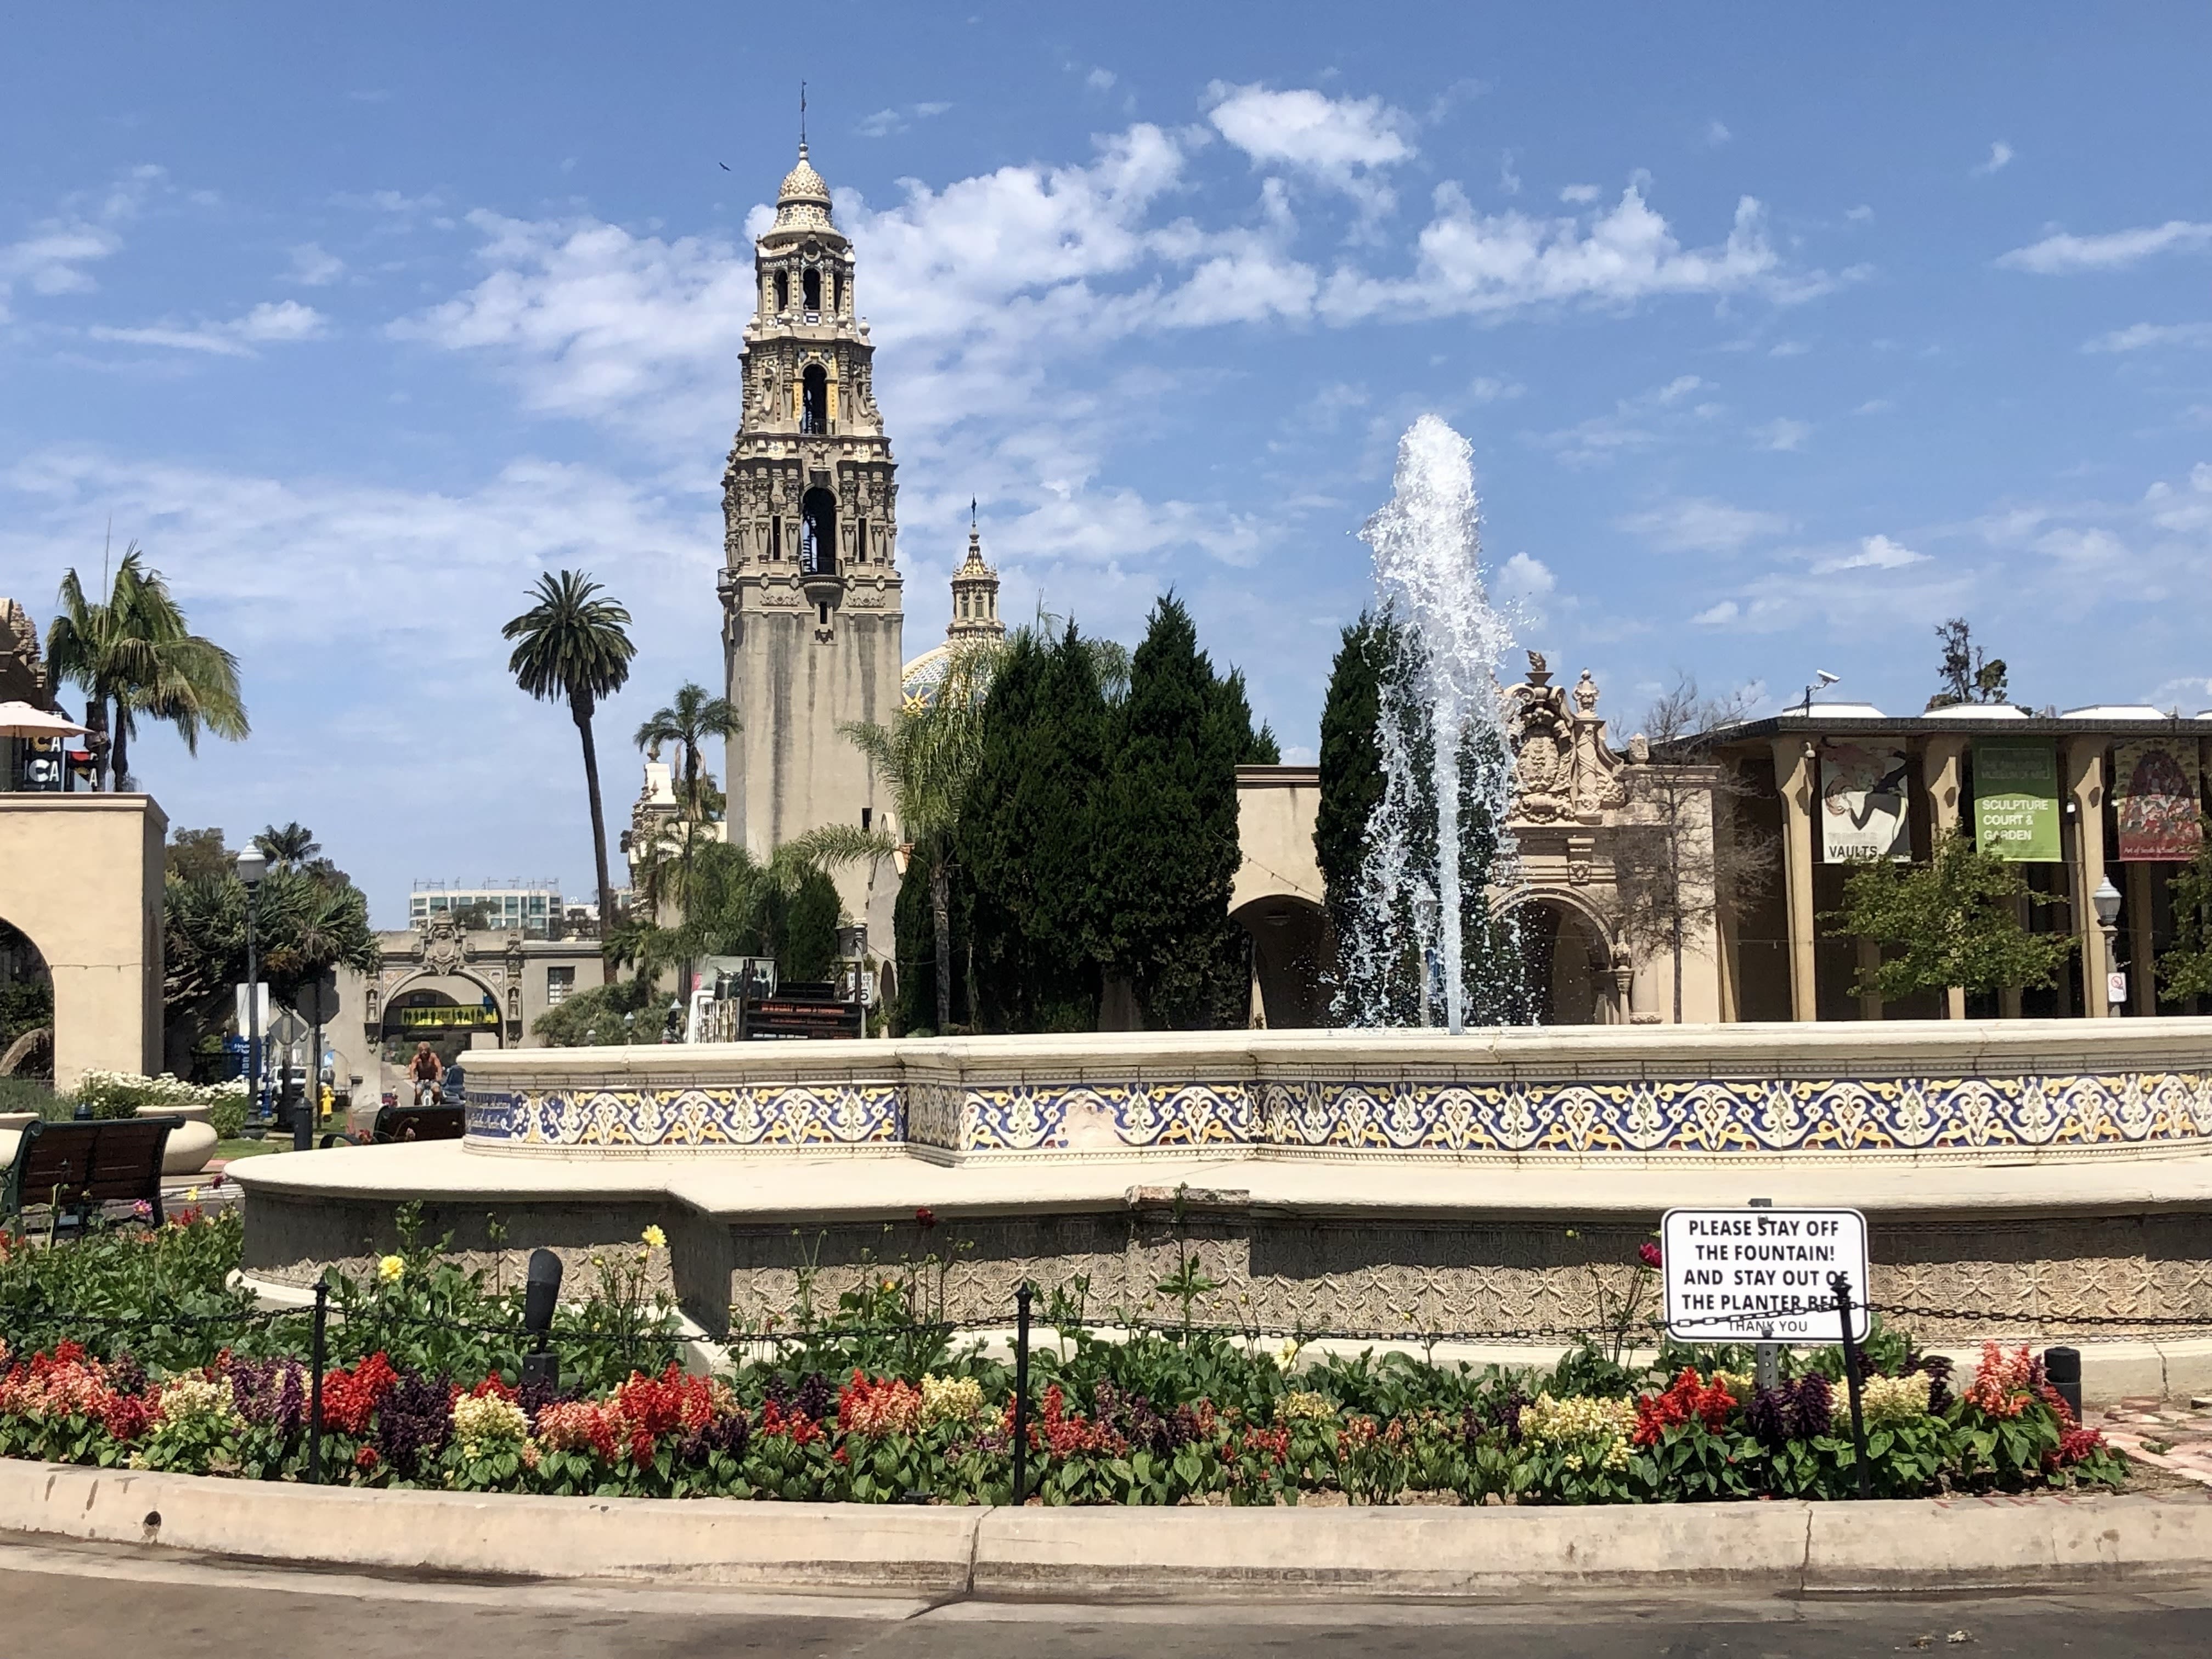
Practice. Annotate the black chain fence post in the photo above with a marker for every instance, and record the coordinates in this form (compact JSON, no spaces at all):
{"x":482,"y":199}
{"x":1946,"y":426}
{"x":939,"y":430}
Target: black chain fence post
{"x":2062,"y":1368}
{"x":1022,"y":1394}
{"x":1841,"y":1284}
{"x":318,"y":1357}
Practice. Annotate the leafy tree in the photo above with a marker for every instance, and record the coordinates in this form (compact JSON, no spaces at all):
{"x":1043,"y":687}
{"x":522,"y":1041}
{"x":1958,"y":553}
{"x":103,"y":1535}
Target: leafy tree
{"x":571,"y":646}
{"x":927,"y":760}
{"x":1685,"y":856}
{"x":289,"y":849}
{"x":27,"y":989}
{"x":913,"y":928}
{"x":1966,"y":674}
{"x":694,"y":716}
{"x":133,"y":654}
{"x":197,"y":855}
{"x":1950,"y":921}
{"x":1167,"y":846}
{"x":305,"y":927}
{"x":2184,"y":969}
{"x":473,"y":916}
{"x":603,"y":1016}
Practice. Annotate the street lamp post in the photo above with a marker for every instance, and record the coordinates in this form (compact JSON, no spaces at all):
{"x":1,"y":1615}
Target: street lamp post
{"x":252,"y":864}
{"x":2106,"y":901}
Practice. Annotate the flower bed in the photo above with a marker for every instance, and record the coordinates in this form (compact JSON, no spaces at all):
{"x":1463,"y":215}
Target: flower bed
{"x":126,"y":1094}
{"x":874,"y":1403}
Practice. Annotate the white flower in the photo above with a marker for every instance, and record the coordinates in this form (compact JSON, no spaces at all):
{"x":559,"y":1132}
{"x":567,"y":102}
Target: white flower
{"x":1286,"y":1355}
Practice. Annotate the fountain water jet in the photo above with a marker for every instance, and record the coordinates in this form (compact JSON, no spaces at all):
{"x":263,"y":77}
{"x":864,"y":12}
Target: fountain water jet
{"x":1442,"y":742}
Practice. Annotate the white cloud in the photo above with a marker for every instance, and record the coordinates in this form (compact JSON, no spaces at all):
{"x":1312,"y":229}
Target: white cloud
{"x":885,"y":122}
{"x":1343,"y":142}
{"x":2060,"y":253}
{"x":2138,"y":336}
{"x":1509,"y":177}
{"x":1717,"y":134}
{"x":1100,"y":80}
{"x":1490,"y":389}
{"x":280,"y":323}
{"x":1859,"y":215}
{"x":55,"y":256}
{"x":2000,"y":158}
{"x":1580,"y":195}
{"x":1718,"y":616}
{"x":313,"y":268}
{"x":1698,"y":524}
{"x":1527,"y":577}
{"x":1634,"y":423}
{"x":1783,"y":434}
{"x":1876,"y":553}
{"x":1475,"y":264}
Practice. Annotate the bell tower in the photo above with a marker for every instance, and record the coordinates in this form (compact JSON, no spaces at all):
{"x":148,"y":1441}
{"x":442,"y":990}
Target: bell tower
{"x":812,"y":595}
{"x":974,"y":593}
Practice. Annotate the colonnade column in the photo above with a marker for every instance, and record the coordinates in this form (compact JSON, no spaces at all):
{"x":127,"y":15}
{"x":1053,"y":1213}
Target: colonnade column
{"x":1793,"y":782}
{"x":1940,"y":776}
{"x":2142,"y":959}
{"x":2084,"y":788}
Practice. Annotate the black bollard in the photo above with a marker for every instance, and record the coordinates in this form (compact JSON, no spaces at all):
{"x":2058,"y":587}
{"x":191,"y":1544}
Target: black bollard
{"x":1841,"y":1284}
{"x":2062,"y":1368}
{"x":1022,"y":1394}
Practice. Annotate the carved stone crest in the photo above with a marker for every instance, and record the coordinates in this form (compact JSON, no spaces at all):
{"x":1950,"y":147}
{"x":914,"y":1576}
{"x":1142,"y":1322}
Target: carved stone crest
{"x":1561,"y":767}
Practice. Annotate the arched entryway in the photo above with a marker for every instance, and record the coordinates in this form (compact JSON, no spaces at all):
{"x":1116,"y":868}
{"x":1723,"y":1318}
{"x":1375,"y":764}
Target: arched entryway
{"x":1290,"y":948}
{"x":1567,"y":953}
{"x":27,"y":1007}
{"x":451,"y":1012}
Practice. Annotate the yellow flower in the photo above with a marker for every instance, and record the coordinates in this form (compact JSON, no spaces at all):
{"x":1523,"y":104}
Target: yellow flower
{"x":390,"y":1269}
{"x":654,"y":1238}
{"x":191,"y":1194}
{"x":1288,"y":1354}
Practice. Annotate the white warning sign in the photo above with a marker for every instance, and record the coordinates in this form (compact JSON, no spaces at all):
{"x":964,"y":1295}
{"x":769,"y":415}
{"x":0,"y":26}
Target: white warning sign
{"x":1762,"y":1275}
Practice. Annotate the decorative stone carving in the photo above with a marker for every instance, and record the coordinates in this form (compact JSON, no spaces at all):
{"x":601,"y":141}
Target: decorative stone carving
{"x":1563,"y":769}
{"x":444,"y":947}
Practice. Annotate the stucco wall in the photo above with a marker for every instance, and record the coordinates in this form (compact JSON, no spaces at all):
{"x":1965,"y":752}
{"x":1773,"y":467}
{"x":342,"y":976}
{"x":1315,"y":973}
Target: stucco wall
{"x":82,"y":876}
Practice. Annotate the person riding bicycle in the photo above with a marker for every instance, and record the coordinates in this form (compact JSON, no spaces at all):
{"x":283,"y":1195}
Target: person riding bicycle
{"x":427,"y":1073}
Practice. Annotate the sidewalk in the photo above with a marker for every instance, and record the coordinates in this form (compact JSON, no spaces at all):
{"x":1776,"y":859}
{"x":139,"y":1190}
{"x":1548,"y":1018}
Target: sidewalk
{"x":1137,"y":1554}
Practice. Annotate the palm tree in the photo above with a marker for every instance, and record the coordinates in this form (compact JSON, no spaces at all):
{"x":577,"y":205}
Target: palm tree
{"x":133,"y":654}
{"x":572,"y":647}
{"x":693,"y":717}
{"x":927,"y":760}
{"x":289,"y":849}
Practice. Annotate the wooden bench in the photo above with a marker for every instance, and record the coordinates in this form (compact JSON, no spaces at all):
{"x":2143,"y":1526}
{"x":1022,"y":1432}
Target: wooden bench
{"x":75,"y":1166}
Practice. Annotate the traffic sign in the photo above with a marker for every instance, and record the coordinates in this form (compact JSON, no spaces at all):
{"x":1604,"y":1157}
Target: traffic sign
{"x":1762,"y":1275}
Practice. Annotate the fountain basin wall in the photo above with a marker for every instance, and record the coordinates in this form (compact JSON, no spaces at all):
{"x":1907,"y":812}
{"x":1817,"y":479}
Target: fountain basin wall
{"x":1926,"y":1089}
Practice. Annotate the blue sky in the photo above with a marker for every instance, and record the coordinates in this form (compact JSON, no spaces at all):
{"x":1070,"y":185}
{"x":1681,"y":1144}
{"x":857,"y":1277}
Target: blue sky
{"x":1779,"y":338}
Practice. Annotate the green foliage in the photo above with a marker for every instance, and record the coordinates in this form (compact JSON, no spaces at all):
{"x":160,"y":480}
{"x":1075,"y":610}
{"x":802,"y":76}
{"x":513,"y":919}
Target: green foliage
{"x":693,"y":718}
{"x":1950,"y":921}
{"x":1350,"y":762}
{"x":1028,"y":836}
{"x":598,"y":1018}
{"x":1967,"y":674}
{"x":1168,"y":850}
{"x":2184,"y":970}
{"x":308,"y":922}
{"x":571,"y":646}
{"x":197,"y":855}
{"x":914,"y":925}
{"x":133,"y":653}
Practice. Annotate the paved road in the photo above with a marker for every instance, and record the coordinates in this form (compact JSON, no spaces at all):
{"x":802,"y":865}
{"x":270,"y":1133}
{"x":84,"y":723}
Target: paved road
{"x":95,"y":1602}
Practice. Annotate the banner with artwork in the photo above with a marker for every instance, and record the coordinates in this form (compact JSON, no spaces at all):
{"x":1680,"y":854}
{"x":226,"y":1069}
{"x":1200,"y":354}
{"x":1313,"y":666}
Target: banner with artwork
{"x":2016,"y":800}
{"x":1864,"y":793}
{"x":2155,"y":784}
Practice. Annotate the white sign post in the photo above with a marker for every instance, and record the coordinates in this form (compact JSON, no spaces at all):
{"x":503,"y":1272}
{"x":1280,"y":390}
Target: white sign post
{"x":1762,"y":1275}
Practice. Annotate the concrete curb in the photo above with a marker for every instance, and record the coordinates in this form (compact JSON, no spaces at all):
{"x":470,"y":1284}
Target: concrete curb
{"x":1133,"y":1554}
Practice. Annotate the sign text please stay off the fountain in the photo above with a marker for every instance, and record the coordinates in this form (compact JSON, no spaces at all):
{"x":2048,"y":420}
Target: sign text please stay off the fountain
{"x":1762,"y":1275}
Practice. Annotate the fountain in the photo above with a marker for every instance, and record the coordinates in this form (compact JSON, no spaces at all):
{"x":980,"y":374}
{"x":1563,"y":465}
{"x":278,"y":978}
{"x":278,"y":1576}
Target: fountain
{"x":1438,"y":845}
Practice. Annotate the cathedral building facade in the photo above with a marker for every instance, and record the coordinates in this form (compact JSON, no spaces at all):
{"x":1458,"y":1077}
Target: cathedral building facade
{"x":812,"y":601}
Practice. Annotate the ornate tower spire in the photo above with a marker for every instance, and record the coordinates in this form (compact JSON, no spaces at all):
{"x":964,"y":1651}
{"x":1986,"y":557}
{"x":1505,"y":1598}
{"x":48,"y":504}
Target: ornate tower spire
{"x":810,"y":591}
{"x":974,"y":593}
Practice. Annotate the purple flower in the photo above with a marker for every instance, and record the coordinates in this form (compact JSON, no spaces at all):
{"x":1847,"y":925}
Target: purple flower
{"x":270,"y":1394}
{"x":1767,"y":1416}
{"x":413,"y":1422}
{"x":1814,"y":1408}
{"x":141,"y":1210}
{"x":815,"y":1398}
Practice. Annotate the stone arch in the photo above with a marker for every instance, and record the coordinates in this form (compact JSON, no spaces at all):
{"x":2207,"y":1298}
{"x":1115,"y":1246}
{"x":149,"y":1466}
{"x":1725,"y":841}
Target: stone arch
{"x":80,"y":877}
{"x":1291,"y":948}
{"x":1571,"y":957}
{"x":387,"y":1028}
{"x":26,"y":1042}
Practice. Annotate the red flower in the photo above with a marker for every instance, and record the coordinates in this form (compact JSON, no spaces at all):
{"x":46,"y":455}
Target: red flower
{"x":925,"y":1217}
{"x":350,"y":1398}
{"x":1648,"y":1254}
{"x":365,"y":1459}
{"x":1689,"y":1398}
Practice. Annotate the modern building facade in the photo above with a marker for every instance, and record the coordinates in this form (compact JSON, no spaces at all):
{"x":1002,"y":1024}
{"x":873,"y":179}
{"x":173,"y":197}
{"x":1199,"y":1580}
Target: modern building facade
{"x":532,"y":909}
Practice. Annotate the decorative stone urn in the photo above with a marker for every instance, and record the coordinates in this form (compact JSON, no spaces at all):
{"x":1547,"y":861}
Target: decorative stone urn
{"x":12,"y":1125}
{"x":191,"y":1143}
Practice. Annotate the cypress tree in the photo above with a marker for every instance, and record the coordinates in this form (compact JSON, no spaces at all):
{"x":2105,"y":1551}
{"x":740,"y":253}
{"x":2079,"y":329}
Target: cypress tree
{"x":1351,"y":763}
{"x":915,"y":928}
{"x":1168,"y":841}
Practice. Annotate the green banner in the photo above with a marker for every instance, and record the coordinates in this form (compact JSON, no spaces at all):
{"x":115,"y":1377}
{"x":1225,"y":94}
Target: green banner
{"x":2016,"y":800}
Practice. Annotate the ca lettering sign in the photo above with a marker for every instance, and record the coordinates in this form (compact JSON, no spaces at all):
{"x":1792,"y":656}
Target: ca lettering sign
{"x":1762,"y":1275}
